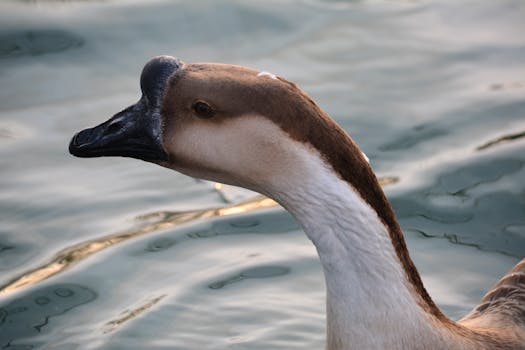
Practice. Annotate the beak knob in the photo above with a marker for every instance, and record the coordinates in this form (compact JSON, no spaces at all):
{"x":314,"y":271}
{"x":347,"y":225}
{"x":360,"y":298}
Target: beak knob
{"x":135,"y":131}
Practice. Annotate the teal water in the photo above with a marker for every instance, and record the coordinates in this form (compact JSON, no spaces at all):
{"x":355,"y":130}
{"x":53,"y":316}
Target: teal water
{"x":120,"y":254}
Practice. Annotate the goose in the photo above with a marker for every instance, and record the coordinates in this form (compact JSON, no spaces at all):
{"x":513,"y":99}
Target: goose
{"x":243,"y":127}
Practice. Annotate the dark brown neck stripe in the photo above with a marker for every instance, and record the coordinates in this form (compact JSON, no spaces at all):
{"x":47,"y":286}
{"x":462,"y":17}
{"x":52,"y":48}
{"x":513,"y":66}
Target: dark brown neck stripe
{"x":306,"y":122}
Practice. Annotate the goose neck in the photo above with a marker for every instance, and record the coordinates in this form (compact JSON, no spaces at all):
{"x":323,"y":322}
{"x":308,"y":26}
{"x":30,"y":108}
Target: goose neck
{"x":370,"y":302}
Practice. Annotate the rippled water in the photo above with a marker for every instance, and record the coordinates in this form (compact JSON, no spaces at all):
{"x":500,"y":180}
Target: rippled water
{"x":120,"y":254}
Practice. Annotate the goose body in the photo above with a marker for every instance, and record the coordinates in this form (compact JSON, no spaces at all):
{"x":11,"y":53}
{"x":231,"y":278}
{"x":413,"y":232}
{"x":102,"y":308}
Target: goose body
{"x":243,"y":127}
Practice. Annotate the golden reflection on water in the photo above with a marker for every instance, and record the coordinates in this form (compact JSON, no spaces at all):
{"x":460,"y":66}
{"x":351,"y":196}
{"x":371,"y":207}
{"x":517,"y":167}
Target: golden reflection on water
{"x":131,"y":314}
{"x":219,"y":188}
{"x":500,"y":140}
{"x":150,"y":223}
{"x":388,"y":180}
{"x":154,"y":222}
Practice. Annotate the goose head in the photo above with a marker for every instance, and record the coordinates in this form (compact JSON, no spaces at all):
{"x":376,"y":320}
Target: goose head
{"x":252,"y":129}
{"x":222,"y":123}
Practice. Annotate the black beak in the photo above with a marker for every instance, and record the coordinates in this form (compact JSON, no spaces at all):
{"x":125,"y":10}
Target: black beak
{"x":136,"y":131}
{"x":130,"y":133}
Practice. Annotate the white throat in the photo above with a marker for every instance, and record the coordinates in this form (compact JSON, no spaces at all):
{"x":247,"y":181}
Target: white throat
{"x":370,"y":303}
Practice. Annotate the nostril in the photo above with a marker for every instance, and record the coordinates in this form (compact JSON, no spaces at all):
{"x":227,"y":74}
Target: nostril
{"x":114,"y":127}
{"x":74,"y":141}
{"x":82,"y":138}
{"x":78,"y":143}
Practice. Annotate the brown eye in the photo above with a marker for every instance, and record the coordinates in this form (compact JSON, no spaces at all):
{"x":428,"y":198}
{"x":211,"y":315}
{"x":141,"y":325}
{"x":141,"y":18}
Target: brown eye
{"x":203,"y":110}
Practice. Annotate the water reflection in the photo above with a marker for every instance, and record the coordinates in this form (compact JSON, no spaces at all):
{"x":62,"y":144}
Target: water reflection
{"x":5,"y":133}
{"x":452,"y":238}
{"x":503,"y":139}
{"x":507,"y":86}
{"x":27,"y":316}
{"x":131,"y":314}
{"x":462,"y":180}
{"x":37,"y":42}
{"x":147,"y":224}
{"x":154,"y":222}
{"x":160,"y":244}
{"x":419,"y":134}
{"x":4,"y":248}
{"x":254,"y":272}
{"x":459,"y":206}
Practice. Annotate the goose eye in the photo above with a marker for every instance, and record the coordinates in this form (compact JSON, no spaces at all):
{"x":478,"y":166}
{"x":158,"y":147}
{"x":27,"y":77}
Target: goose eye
{"x":203,"y":110}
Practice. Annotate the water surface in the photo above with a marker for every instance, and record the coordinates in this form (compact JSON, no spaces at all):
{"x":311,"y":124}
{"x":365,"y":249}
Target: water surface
{"x":121,"y":254}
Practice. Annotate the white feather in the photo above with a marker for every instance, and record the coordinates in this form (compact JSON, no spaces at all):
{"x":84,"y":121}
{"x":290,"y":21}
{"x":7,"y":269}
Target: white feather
{"x":267,"y":74}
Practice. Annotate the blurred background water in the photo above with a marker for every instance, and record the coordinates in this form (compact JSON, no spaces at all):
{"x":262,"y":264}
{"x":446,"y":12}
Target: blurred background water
{"x":120,"y":254}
